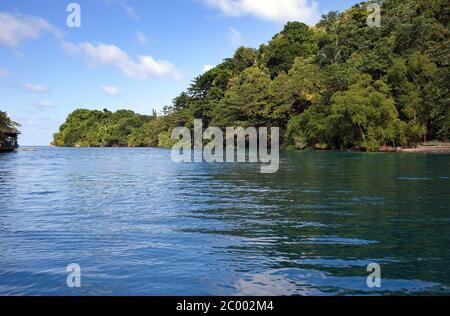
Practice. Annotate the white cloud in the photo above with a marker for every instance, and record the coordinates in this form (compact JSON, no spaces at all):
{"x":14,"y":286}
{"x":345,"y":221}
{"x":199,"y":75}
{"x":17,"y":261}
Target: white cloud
{"x":141,"y":38}
{"x":129,"y":10}
{"x":235,"y":37}
{"x":270,"y":10}
{"x":140,"y":68}
{"x":4,"y":72}
{"x":16,"y":28}
{"x":207,"y":67}
{"x":46,"y":104}
{"x":34,"y":88}
{"x":111,"y":90}
{"x":125,"y":6}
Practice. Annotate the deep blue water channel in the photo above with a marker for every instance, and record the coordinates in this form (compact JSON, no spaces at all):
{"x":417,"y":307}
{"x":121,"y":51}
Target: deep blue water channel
{"x":139,"y":224}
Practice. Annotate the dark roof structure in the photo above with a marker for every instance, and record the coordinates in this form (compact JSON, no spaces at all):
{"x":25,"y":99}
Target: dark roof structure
{"x":9,"y":131}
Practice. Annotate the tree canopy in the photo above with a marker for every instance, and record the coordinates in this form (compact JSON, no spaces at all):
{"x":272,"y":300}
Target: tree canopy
{"x":6,"y":123}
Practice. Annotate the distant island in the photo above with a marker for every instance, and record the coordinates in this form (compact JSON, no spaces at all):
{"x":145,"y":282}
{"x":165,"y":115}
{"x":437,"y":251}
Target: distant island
{"x":340,"y":85}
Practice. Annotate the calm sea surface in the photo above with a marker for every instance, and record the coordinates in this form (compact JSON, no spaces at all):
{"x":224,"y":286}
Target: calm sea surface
{"x":138,"y":223}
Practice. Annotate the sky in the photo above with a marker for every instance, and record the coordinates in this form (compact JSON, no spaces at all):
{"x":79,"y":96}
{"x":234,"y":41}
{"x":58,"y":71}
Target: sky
{"x":126,"y":54}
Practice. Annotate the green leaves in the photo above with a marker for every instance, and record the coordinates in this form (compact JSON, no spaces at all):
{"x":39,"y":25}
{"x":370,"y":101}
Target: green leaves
{"x":88,"y":128}
{"x":6,"y":122}
{"x":296,"y":40}
{"x":245,"y":100}
{"x":364,"y":117}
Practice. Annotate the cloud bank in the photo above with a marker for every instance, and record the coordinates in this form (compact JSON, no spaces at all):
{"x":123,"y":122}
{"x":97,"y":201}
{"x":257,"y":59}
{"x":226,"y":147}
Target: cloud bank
{"x":207,"y":67}
{"x":280,"y":11}
{"x":141,"y":38}
{"x":125,"y":6}
{"x":111,"y":91}
{"x":16,"y":28}
{"x":45,"y":104}
{"x":141,"y":68}
{"x":235,"y":37}
{"x":34,"y":88}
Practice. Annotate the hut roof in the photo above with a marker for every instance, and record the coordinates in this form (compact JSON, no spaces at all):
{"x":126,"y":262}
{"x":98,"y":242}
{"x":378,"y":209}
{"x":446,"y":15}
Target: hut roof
{"x":9,"y":130}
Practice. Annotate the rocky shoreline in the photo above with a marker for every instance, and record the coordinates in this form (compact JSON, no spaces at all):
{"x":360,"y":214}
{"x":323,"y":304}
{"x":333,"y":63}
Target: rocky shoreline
{"x":431,"y":147}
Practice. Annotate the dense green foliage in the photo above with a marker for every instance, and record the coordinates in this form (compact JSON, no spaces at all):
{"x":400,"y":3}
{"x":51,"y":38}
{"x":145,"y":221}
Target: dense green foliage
{"x":338,"y":85}
{"x":6,"y":123}
{"x":106,"y":129}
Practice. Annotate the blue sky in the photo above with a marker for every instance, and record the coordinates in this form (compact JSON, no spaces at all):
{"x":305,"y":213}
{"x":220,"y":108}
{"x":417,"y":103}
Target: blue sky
{"x":133,"y":54}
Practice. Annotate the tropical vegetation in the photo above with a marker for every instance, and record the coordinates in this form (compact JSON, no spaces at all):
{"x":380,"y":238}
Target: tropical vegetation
{"x":341,"y":84}
{"x":6,"y":124}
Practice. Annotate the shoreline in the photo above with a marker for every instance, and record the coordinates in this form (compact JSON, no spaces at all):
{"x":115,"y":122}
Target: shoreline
{"x":431,"y":147}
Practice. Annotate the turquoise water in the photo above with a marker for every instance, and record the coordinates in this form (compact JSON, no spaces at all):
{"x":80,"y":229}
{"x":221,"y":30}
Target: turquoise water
{"x":139,"y":224}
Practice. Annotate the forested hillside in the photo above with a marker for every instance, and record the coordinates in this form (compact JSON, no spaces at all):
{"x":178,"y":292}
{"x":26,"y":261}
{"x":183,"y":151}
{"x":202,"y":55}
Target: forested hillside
{"x":338,"y":85}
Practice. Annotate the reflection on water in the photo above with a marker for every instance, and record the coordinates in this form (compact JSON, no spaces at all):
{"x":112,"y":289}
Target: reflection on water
{"x":137,"y":223}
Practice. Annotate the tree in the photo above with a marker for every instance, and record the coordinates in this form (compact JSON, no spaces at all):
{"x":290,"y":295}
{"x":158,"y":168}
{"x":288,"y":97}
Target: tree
{"x":216,"y":78}
{"x":293,"y":93}
{"x":364,"y":117}
{"x":296,"y":40}
{"x":309,"y":129}
{"x":421,"y":94}
{"x":181,"y":102}
{"x":6,"y":122}
{"x":245,"y":101}
{"x":244,"y":58}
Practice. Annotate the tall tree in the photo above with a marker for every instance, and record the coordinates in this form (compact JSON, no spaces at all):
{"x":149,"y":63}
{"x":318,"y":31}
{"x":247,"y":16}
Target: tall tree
{"x":296,"y":40}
